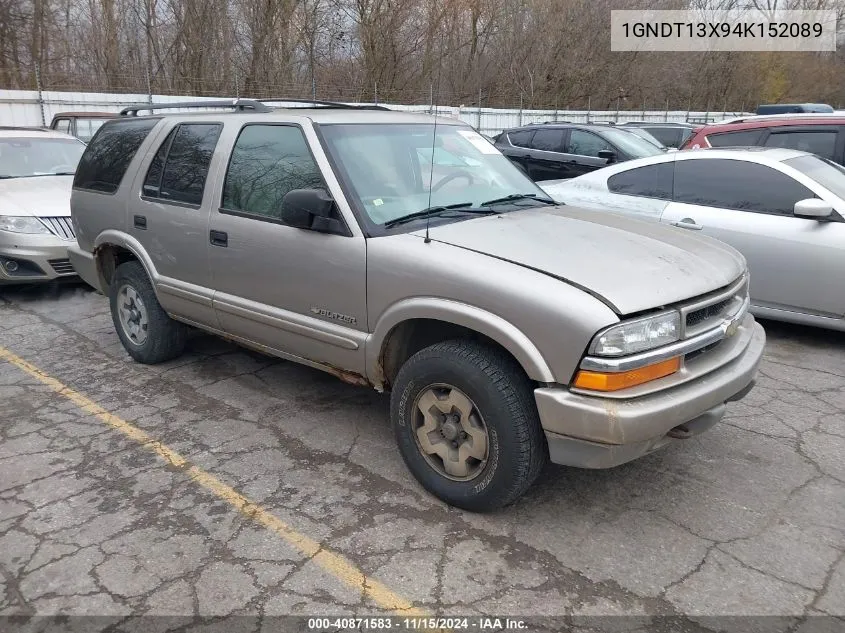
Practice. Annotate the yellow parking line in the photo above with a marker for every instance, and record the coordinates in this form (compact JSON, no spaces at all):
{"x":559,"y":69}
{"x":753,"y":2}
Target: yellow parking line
{"x":331,"y":562}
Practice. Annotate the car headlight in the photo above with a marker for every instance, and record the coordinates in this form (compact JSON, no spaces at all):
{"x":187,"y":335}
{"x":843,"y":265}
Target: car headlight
{"x":16,"y":224}
{"x":638,"y":335}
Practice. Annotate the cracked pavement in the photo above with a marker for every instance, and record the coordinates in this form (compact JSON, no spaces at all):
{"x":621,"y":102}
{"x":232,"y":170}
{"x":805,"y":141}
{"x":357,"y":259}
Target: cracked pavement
{"x":747,"y":519}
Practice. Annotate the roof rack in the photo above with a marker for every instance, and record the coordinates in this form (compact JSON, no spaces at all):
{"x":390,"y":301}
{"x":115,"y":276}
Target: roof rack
{"x":784,"y":115}
{"x":238,"y":104}
{"x":323,"y":104}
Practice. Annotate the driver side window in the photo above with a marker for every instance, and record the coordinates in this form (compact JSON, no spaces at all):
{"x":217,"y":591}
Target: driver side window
{"x":585,"y":143}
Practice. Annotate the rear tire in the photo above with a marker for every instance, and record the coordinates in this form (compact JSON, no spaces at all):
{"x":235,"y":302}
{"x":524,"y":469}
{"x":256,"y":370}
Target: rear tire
{"x":147,"y":333}
{"x":467,"y":425}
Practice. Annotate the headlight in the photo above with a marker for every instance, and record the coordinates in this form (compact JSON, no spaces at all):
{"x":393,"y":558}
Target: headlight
{"x":638,"y":335}
{"x":16,"y":224}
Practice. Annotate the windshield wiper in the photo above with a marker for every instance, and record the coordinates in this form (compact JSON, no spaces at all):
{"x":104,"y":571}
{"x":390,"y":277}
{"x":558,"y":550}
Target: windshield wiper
{"x":431,"y":212}
{"x":517,"y":196}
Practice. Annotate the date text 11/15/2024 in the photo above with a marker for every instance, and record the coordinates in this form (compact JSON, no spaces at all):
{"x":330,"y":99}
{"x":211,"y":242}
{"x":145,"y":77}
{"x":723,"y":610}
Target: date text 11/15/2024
{"x":422,"y":623}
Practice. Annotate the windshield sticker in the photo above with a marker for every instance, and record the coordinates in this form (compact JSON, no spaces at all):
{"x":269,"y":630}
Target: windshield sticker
{"x":481,"y":144}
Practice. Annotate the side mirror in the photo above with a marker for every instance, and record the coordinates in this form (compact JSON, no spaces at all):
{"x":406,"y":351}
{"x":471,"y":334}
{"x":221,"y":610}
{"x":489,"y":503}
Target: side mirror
{"x":311,"y":209}
{"x":608,"y":155}
{"x":813,"y":208}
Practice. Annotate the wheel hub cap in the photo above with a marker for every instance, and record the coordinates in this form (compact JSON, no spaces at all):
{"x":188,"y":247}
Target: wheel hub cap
{"x":451,"y":433}
{"x":132,"y":314}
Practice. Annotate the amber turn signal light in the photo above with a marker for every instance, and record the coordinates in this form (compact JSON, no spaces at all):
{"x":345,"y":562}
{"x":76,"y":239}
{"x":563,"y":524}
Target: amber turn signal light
{"x":601,"y":381}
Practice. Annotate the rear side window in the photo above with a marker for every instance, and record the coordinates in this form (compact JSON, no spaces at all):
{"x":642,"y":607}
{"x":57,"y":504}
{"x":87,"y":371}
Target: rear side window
{"x":267,"y":162}
{"x":725,"y":184}
{"x":521,"y":138}
{"x":741,"y":138}
{"x":821,"y":142}
{"x":651,"y":181}
{"x":180,"y":166}
{"x":548,"y":140}
{"x":107,"y":157}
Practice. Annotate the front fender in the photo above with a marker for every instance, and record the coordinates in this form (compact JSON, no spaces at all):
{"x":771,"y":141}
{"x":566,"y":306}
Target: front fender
{"x":471,"y":317}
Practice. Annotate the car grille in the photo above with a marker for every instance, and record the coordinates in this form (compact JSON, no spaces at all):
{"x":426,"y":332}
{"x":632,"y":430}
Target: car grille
{"x":62,"y":266}
{"x":707,"y":312}
{"x":60,"y":226}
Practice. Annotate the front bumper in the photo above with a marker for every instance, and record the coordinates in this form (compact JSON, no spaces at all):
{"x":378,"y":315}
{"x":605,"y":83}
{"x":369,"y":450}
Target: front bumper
{"x":85,"y":265}
{"x":36,"y":258}
{"x":600,"y":432}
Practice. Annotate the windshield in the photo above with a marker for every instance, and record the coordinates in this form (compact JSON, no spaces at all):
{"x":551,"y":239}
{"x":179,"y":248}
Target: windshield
{"x":631,"y":144}
{"x":29,"y":156}
{"x":825,"y":172}
{"x":390,"y":170}
{"x":647,"y":136}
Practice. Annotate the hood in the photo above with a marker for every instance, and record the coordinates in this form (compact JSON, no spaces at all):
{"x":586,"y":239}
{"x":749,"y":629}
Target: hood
{"x":629,"y":264}
{"x":41,"y":196}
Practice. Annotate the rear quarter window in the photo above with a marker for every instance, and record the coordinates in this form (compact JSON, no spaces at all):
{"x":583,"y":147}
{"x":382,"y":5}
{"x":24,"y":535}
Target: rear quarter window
{"x":109,"y":153}
{"x":740,"y":138}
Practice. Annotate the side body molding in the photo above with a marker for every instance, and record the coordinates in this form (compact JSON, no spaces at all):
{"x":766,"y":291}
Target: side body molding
{"x":491,"y":325}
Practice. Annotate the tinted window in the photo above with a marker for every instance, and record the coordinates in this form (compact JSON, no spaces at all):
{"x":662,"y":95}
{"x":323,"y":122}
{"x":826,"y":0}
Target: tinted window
{"x":669,"y":136}
{"x":548,"y":140}
{"x":267,"y":162}
{"x":522,"y":138}
{"x":152,"y":183}
{"x":821,"y":142}
{"x":180,"y":166}
{"x":108,"y":155}
{"x":652,"y":181}
{"x":735,"y":184}
{"x":740,"y":138}
{"x":586,"y":143}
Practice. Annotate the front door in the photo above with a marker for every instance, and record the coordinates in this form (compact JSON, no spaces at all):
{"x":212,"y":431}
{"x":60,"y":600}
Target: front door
{"x":296,"y":291}
{"x":795,"y":263}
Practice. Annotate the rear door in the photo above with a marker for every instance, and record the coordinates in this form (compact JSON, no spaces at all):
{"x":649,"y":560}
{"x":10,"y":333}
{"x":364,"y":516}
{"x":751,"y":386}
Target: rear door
{"x":516,"y":145}
{"x":169,"y":216}
{"x":546,"y":159}
{"x":825,"y":140}
{"x":795,"y":263}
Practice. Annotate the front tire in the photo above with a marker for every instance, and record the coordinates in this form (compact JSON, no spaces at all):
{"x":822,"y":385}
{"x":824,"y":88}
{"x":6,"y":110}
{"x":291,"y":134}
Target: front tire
{"x":467,"y":426}
{"x":147,"y":333}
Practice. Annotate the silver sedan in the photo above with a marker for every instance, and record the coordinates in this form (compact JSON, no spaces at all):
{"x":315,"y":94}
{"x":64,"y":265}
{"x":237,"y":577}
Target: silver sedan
{"x":783,"y":209}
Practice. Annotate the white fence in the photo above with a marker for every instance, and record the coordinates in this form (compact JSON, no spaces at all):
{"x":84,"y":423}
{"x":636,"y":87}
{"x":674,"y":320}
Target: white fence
{"x":31,"y":108}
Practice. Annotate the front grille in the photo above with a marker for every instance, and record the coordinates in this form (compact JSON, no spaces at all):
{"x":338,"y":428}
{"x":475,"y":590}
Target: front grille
{"x":705,"y":314}
{"x":61,"y":226}
{"x":62,"y":266}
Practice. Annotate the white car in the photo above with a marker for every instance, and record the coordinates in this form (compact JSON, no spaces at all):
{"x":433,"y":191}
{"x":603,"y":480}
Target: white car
{"x":781,"y":208}
{"x":36,"y":177}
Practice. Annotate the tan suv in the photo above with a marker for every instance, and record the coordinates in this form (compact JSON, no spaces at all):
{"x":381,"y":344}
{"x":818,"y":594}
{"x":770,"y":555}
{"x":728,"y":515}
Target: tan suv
{"x":407,"y":253}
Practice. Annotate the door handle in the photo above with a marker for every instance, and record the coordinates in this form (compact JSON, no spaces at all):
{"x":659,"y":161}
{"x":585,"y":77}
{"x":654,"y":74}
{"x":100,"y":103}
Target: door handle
{"x":218,"y":238}
{"x":140,"y":222}
{"x":688,"y":223}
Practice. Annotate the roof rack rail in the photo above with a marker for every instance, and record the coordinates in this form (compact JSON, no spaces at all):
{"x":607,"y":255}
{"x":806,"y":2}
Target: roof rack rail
{"x":238,"y":104}
{"x":323,"y":104}
{"x":25,"y":128}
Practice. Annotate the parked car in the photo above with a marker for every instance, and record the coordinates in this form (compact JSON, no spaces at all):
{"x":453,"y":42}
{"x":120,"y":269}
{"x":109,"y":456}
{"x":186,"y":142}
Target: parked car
{"x":669,"y":134}
{"x":565,"y":150}
{"x":36,"y":173}
{"x":822,"y":134}
{"x":648,"y":136}
{"x":509,"y":330}
{"x":82,"y":125}
{"x":792,"y":108}
{"x":783,"y":209}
